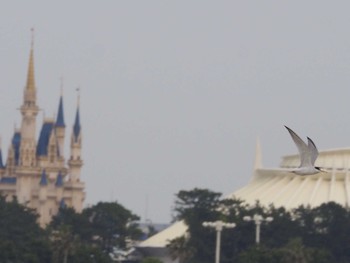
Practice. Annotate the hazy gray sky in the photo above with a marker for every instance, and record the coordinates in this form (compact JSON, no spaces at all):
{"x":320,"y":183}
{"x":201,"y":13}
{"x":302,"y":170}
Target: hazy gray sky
{"x":175,"y":93}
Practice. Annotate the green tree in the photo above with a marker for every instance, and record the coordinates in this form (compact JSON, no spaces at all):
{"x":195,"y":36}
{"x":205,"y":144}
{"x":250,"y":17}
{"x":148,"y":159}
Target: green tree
{"x":112,"y":224}
{"x":63,"y":242}
{"x":92,"y":234}
{"x":79,"y":224}
{"x":88,"y":254}
{"x":260,"y":254}
{"x":196,"y":204}
{"x":332,"y":230}
{"x":282,"y":229}
{"x":21,"y":238}
{"x":195,"y":207}
{"x":151,"y":260}
{"x":315,"y":235}
{"x":296,"y":252}
{"x":179,"y":249}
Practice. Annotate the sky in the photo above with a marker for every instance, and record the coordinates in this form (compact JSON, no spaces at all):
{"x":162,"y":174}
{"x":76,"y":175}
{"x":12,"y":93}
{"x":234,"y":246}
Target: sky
{"x":174,"y":94}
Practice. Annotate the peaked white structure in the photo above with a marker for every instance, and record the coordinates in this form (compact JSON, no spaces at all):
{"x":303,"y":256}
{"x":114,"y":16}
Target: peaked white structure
{"x":280,"y":187}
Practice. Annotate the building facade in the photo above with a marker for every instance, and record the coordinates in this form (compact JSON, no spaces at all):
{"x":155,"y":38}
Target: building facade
{"x":36,"y":171}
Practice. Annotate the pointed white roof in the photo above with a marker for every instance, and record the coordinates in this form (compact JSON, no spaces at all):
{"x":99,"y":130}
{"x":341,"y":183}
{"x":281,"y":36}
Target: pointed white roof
{"x":162,"y":238}
{"x":282,"y":188}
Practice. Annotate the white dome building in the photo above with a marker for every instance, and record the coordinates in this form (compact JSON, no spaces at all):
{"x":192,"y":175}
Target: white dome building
{"x":283,"y":188}
{"x":280,"y":187}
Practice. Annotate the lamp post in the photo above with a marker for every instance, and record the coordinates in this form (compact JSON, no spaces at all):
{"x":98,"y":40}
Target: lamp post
{"x":219,"y":226}
{"x":258,"y":219}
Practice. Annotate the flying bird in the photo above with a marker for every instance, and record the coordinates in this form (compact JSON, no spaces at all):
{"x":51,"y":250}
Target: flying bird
{"x":308,"y":155}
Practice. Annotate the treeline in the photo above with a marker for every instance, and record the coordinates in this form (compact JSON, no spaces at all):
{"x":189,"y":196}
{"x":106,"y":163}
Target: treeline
{"x":305,"y":235}
{"x":71,"y":237}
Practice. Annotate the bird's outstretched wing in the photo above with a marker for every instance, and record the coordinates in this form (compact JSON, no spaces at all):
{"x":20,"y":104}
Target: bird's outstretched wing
{"x":313,"y":150}
{"x":304,"y":149}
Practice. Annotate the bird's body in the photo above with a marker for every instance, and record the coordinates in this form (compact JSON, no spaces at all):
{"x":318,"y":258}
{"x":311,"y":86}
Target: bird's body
{"x":308,"y":155}
{"x":306,"y":170}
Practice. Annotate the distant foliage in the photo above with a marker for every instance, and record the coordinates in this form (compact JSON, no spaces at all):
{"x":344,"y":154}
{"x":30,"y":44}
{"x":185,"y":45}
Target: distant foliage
{"x":304,"y":235}
{"x":86,"y":237}
{"x":93,"y":234}
{"x":21,"y":238}
{"x":151,"y":260}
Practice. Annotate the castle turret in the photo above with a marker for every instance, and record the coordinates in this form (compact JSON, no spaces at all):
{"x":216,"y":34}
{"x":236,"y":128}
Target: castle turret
{"x":13,"y":153}
{"x":43,"y":179}
{"x":29,"y":111}
{"x":46,"y":150}
{"x":60,"y":128}
{"x":2,"y":166}
{"x":43,"y":211}
{"x":59,"y":180}
{"x":75,"y":162}
{"x":59,"y":187}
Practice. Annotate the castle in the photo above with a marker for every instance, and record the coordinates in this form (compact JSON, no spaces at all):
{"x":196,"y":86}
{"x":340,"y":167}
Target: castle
{"x":36,"y":172}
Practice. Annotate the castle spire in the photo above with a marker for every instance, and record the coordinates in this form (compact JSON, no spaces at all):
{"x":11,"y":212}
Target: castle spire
{"x":258,"y":156}
{"x":59,"y":180}
{"x":75,"y":162}
{"x":60,"y":126}
{"x":29,"y":111}
{"x":1,"y":163}
{"x":77,"y":127}
{"x":43,"y":179}
{"x":30,"y":76}
{"x":60,"y":115}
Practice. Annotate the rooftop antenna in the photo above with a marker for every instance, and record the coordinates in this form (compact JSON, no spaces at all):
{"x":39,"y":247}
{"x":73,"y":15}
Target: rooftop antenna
{"x":61,"y":79}
{"x":146,"y":208}
{"x":32,"y":31}
{"x":78,"y":96}
{"x":112,"y":195}
{"x":258,"y":157}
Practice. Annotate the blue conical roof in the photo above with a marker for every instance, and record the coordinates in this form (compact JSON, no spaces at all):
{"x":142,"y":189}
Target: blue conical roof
{"x":63,"y":204}
{"x":59,"y":180}
{"x":1,"y":163}
{"x":76,"y":127}
{"x":43,"y":179}
{"x":41,"y":148}
{"x":16,"y":142}
{"x":60,"y":115}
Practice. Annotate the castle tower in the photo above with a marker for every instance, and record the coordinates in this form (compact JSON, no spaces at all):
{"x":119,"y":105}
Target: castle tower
{"x":60,"y":128}
{"x":29,"y":111}
{"x":13,"y":153}
{"x":42,"y":208}
{"x":75,"y":163}
{"x":59,"y":188}
{"x":2,"y":166}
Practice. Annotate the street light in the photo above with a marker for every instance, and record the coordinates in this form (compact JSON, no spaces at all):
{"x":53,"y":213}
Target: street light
{"x":258,"y":219}
{"x":219,"y":226}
